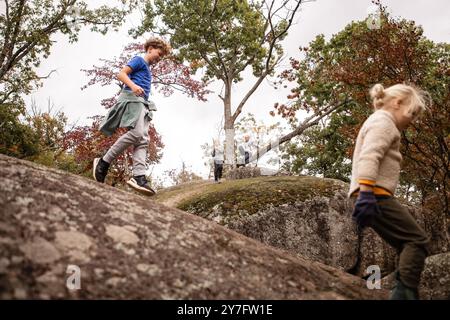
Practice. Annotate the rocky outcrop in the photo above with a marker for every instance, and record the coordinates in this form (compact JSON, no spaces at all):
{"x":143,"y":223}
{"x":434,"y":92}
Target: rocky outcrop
{"x":307,"y":216}
{"x":435,"y":278}
{"x":127,"y":246}
{"x":243,"y":173}
{"x":374,"y":251}
{"x":318,"y":229}
{"x":304,"y":215}
{"x":435,"y":281}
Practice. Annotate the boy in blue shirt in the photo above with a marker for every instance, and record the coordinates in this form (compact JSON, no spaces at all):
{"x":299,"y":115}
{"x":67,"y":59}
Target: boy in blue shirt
{"x":132,"y":110}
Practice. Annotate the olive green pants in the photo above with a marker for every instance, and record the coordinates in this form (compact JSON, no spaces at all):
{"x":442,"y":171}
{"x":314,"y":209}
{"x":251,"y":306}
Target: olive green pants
{"x":398,"y":228}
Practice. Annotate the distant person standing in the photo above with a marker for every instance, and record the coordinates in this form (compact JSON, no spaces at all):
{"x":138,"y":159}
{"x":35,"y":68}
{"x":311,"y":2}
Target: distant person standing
{"x":134,"y":111}
{"x":244,"y":152}
{"x":218,"y":157}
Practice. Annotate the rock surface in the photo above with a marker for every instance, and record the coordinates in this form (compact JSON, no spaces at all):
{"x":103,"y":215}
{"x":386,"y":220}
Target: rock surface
{"x":435,"y":279}
{"x":435,"y":282}
{"x":318,"y":228}
{"x":307,"y":216}
{"x":243,"y":173}
{"x":128,"y":246}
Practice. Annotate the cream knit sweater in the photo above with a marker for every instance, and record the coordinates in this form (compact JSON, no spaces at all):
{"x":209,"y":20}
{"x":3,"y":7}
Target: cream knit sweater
{"x":377,"y":153}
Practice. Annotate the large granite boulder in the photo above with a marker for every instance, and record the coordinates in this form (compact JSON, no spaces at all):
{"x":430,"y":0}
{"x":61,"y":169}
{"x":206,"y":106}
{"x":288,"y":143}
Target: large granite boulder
{"x":242,"y":173}
{"x":435,"y":278}
{"x":435,"y":281}
{"x":54,"y":225}
{"x":308,"y":216}
{"x":304,"y":215}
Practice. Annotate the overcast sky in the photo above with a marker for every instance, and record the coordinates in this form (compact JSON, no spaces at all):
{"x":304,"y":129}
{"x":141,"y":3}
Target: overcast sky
{"x":186,"y":123}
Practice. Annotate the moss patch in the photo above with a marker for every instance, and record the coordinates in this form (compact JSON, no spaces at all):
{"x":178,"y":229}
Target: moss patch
{"x":254,"y":194}
{"x":167,"y":193}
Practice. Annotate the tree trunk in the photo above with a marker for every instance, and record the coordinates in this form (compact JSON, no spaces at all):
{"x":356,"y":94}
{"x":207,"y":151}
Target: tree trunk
{"x":229,"y":128}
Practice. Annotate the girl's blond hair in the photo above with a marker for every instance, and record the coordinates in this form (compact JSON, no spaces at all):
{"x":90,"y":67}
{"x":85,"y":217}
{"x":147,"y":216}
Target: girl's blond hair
{"x":415,"y":99}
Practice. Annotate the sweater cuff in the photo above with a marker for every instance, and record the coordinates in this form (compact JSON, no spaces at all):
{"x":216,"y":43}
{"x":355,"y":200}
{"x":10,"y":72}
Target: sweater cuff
{"x":366,"y":182}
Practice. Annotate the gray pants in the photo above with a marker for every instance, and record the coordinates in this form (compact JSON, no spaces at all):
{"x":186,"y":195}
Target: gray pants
{"x":137,"y":137}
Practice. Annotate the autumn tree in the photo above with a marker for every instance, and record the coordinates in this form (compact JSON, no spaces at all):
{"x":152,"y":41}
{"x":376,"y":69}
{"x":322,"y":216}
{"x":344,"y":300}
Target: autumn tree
{"x":50,"y":126}
{"x":37,"y":136}
{"x":224,"y":38}
{"x":26,"y":30}
{"x":343,"y":69}
{"x":168,"y":76}
{"x":321,"y":150}
{"x":16,"y":138}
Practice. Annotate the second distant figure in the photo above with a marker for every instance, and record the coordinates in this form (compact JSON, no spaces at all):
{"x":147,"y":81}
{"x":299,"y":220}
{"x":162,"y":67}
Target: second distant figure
{"x":218,"y":156}
{"x":244,"y":152}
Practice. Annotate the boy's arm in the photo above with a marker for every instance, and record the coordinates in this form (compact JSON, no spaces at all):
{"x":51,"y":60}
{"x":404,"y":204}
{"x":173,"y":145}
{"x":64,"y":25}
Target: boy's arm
{"x":123,"y":76}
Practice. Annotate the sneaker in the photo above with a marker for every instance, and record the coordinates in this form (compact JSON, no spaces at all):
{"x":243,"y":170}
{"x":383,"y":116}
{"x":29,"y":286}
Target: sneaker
{"x":140,"y":184}
{"x":402,"y":292}
{"x":100,"y":169}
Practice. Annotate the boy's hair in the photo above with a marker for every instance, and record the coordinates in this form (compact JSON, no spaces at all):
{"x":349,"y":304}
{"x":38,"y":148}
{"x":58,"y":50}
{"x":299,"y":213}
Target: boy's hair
{"x":415,"y":99}
{"x":158,"y":43}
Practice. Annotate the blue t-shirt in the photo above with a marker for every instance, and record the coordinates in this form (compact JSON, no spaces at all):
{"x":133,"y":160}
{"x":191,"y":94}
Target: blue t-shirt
{"x":141,"y":75}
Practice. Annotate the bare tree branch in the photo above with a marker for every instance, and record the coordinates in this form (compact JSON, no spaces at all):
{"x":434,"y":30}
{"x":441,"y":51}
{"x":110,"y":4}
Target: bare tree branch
{"x":217,"y":72}
{"x":48,"y":75}
{"x":307,"y":123}
{"x":268,"y":67}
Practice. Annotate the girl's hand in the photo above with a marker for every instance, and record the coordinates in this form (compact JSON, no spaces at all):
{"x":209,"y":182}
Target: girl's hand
{"x":366,"y":209}
{"x":137,"y":90}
